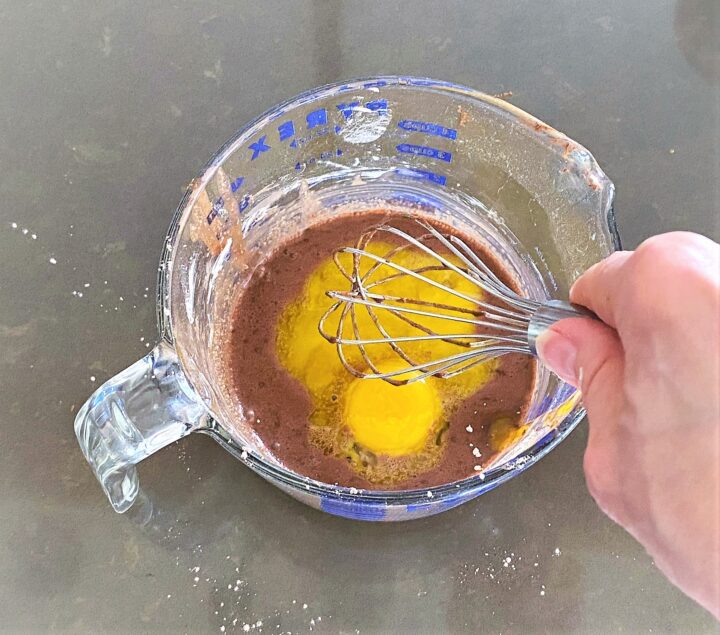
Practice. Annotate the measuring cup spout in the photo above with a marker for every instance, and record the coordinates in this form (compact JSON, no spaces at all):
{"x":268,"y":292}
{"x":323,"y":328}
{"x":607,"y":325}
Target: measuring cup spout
{"x":139,"y":411}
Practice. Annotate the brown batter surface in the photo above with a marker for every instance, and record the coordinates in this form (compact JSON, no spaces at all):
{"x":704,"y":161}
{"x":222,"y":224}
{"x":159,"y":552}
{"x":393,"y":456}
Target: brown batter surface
{"x":279,"y":406}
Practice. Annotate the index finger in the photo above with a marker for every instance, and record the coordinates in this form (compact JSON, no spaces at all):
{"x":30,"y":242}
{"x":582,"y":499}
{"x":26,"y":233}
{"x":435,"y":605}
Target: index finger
{"x":597,"y":288}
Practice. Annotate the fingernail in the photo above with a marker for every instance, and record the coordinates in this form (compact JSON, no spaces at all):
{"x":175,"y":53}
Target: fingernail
{"x":559,"y":354}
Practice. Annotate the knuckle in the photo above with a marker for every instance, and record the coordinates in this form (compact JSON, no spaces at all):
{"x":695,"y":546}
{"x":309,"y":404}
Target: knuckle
{"x":670,"y":269}
{"x":663,"y":275}
{"x":675,"y":254}
{"x":657,"y":257}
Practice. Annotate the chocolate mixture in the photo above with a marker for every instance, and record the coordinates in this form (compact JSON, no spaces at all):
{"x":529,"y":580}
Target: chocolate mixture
{"x":280,"y":405}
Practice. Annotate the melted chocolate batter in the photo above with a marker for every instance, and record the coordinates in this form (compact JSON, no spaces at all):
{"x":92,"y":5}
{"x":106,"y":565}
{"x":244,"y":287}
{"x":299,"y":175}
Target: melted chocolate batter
{"x":281,"y":405}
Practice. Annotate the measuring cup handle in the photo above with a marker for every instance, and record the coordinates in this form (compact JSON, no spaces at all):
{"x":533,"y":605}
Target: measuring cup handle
{"x":142,"y":409}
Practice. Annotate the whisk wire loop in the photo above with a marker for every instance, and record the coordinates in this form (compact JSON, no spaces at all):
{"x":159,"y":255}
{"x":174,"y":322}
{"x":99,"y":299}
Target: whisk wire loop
{"x":497,"y":319}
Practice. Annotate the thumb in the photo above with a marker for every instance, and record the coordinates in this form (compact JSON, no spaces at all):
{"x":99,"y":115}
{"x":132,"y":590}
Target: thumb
{"x":587,"y":354}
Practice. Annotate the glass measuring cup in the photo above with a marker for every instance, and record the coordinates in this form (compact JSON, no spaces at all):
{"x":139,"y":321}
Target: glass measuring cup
{"x":533,"y":195}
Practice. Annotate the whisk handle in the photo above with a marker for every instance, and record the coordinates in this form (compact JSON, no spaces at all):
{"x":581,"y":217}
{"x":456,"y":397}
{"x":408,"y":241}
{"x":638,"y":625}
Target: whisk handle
{"x":550,"y":312}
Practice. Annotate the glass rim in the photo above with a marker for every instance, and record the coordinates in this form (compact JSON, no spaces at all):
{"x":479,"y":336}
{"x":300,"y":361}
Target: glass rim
{"x":570,"y":151}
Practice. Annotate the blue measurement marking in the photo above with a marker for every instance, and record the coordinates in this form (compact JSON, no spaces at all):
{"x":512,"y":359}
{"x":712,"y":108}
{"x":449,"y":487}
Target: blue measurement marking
{"x":316,"y":118}
{"x":425,"y":82}
{"x":422,"y":175}
{"x":324,"y":156}
{"x":347,"y":109}
{"x":317,"y":121}
{"x":286,"y":130}
{"x":217,"y":206}
{"x":424,"y":151}
{"x":301,"y":141}
{"x":428,"y":128}
{"x":219,"y":203}
{"x":258,"y":147}
{"x":380,"y":105}
{"x":350,"y":509}
{"x":377,"y":105}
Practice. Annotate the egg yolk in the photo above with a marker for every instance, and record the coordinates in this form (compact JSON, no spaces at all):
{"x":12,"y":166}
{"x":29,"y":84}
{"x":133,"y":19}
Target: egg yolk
{"x":391,"y":420}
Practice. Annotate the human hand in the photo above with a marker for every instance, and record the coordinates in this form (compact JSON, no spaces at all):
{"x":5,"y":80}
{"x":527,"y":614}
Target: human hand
{"x":650,"y":380}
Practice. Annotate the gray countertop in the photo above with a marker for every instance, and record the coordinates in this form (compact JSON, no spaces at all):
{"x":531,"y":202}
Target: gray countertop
{"x":107,"y":110}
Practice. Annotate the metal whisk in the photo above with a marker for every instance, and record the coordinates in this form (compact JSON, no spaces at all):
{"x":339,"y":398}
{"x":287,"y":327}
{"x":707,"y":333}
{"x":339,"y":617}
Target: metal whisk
{"x":510,"y":326}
